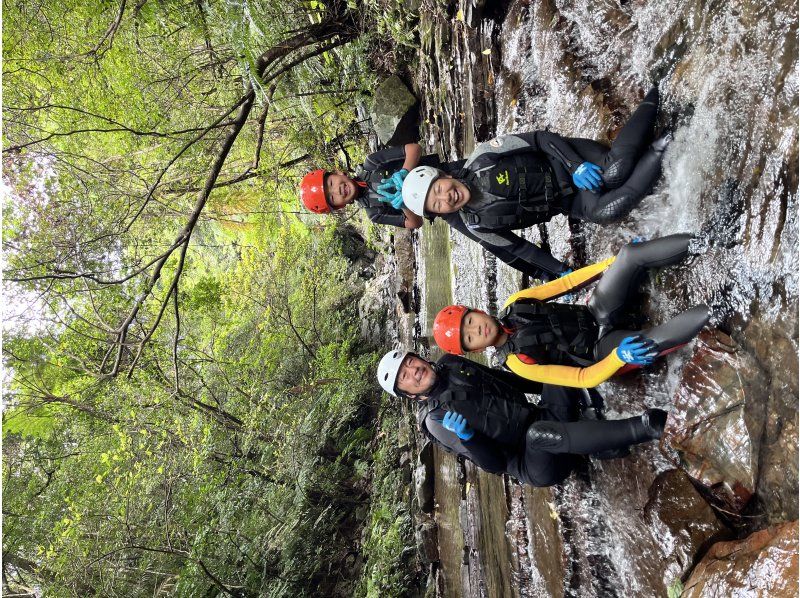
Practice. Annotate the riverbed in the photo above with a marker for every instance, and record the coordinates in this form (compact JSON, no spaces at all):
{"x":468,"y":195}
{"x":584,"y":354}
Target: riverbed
{"x":727,"y":75}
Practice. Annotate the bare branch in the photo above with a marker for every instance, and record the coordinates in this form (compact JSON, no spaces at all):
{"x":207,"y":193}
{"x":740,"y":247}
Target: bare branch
{"x":109,"y":34}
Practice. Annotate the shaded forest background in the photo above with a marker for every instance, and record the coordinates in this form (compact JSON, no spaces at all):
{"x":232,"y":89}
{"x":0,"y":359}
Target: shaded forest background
{"x":189,"y":408}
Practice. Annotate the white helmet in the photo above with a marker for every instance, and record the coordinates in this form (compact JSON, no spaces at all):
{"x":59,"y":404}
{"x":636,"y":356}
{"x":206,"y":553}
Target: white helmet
{"x":416,"y":185}
{"x":388,"y":368}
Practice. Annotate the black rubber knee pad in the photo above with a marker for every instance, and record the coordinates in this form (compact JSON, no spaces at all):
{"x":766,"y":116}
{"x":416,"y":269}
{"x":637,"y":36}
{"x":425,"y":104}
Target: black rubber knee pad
{"x":545,"y":436}
{"x":616,"y":173}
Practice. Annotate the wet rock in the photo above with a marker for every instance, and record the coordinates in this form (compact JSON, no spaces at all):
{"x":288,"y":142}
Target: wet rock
{"x":763,"y":564}
{"x":377,"y":304}
{"x":405,"y":459}
{"x":718,"y":418}
{"x":681,"y":520}
{"x":545,"y":544}
{"x":775,"y":346}
{"x":423,"y":478}
{"x":427,"y":541}
{"x":394,"y":106}
{"x":354,"y":249}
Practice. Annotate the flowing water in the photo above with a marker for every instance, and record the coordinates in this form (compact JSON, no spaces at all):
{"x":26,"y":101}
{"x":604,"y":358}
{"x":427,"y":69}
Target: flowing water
{"x":727,"y":73}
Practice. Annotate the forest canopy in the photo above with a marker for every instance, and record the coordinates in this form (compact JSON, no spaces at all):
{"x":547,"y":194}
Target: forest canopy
{"x":189,"y":408}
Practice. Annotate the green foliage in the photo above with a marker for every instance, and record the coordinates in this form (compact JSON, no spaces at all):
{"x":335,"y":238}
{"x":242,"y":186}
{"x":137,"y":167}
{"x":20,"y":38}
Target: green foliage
{"x":235,"y":445}
{"x":389,"y":532}
{"x":675,"y":589}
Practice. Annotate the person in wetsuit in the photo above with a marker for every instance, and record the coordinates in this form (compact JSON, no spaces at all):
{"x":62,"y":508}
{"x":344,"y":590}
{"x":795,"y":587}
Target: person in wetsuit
{"x":483,"y":415}
{"x":576,"y":345}
{"x":375,"y":189}
{"x":515,"y":181}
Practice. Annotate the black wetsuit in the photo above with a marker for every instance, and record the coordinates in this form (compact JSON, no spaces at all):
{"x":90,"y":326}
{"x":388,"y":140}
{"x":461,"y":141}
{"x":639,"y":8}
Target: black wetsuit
{"x":542,"y":333}
{"x":612,"y":293}
{"x":522,"y":179}
{"x":538,"y":445}
{"x":507,"y":247}
{"x":382,"y":165}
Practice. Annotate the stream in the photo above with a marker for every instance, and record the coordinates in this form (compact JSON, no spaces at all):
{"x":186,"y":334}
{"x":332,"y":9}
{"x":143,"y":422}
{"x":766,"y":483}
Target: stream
{"x":727,"y":73}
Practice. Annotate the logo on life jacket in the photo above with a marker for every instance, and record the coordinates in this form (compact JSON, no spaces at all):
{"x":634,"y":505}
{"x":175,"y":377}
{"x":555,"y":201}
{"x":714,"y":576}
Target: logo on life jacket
{"x":502,"y":178}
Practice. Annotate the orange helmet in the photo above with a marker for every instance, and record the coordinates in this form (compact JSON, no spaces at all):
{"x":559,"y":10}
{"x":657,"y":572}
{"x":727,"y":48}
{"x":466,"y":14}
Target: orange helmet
{"x":447,"y":328}
{"x":312,"y":192}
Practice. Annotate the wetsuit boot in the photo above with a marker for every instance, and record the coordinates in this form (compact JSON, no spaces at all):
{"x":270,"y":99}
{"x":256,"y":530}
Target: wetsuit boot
{"x":618,"y":283}
{"x":668,"y":336}
{"x":585,"y":437}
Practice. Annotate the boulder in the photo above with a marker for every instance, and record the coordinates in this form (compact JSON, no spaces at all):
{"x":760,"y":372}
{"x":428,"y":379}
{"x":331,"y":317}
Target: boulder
{"x":423,"y":478}
{"x":680,"y":521}
{"x":718,"y":419}
{"x":354,"y":249}
{"x":427,"y":541}
{"x":394,"y":114}
{"x":377,"y":304}
{"x":763,"y":564}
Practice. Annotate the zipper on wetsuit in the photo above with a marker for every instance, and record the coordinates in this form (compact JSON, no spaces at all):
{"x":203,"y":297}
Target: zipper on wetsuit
{"x":564,"y":159}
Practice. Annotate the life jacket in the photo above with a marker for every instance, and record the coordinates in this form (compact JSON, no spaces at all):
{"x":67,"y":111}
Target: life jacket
{"x":491,"y":406}
{"x":368,"y":196}
{"x":516,"y":184}
{"x":549,"y":333}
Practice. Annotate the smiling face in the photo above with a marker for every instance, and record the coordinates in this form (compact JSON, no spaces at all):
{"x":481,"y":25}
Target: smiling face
{"x":340,"y":189}
{"x":480,"y":330}
{"x":415,"y":376}
{"x":446,"y":195}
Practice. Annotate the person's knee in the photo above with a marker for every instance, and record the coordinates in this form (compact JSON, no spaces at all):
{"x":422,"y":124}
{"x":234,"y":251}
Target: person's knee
{"x":546,"y":436}
{"x":619,"y":169}
{"x":613,"y":210}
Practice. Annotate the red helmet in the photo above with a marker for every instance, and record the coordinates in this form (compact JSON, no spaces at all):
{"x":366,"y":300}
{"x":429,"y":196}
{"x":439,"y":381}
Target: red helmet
{"x":312,"y":192}
{"x":447,"y":328}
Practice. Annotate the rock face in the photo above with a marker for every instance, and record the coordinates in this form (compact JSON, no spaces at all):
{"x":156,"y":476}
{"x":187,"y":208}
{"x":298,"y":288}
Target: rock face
{"x":423,"y":478}
{"x":718,"y":419}
{"x":394,"y":115}
{"x":426,"y":539}
{"x":681,"y":519}
{"x":763,"y":564}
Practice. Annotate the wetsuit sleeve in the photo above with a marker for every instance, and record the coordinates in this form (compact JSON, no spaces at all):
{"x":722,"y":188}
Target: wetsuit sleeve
{"x":555,"y":288}
{"x":385,"y":156}
{"x":480,"y":449}
{"x":564,"y":375}
{"x":512,"y":249}
{"x":386,"y":215}
{"x":556,"y":146}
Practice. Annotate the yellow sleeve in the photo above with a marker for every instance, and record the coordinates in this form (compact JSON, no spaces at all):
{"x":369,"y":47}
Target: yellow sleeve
{"x":562,"y":285}
{"x":564,"y":375}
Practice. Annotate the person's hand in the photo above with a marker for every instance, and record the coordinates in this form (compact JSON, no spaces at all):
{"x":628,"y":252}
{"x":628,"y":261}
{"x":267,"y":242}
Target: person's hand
{"x":587,"y":176}
{"x":398,"y":178}
{"x":456,"y":423}
{"x":387,"y":186}
{"x":637,"y":240}
{"x":565,"y":272}
{"x":637,"y":350}
{"x":395,"y":198}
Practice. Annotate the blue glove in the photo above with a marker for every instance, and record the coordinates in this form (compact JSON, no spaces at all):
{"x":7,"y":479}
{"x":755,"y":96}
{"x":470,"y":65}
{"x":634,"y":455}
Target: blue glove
{"x":587,"y":176}
{"x":565,"y":272}
{"x":387,"y":186}
{"x":398,"y":178}
{"x":637,"y":350}
{"x":637,"y":240}
{"x":396,"y":198}
{"x":456,"y":423}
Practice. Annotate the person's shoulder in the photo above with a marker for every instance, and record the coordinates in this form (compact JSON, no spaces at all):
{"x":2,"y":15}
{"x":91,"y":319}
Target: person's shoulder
{"x":450,"y":359}
{"x":381,"y":157}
